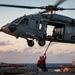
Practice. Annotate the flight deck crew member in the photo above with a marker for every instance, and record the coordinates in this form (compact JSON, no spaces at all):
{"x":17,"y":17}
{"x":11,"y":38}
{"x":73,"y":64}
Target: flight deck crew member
{"x":39,"y":62}
{"x":44,"y":62}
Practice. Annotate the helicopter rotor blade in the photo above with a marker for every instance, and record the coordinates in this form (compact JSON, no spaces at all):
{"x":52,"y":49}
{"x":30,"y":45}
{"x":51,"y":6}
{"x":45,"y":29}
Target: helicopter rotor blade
{"x":28,"y":7}
{"x":47,"y":8}
{"x":66,"y":9}
{"x":18,"y":6}
{"x":59,"y":2}
{"x":44,"y":11}
{"x":54,"y":7}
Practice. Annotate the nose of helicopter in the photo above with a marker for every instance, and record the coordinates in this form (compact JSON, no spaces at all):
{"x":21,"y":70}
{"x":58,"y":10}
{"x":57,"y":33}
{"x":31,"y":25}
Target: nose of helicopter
{"x":5,"y":28}
{"x":8,"y":28}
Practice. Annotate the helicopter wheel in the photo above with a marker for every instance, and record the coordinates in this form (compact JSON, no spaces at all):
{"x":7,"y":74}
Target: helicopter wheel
{"x":41,"y":42}
{"x":30,"y":43}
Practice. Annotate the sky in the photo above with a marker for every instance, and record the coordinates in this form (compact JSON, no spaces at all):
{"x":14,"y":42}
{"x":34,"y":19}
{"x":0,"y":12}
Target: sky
{"x":14,"y":50}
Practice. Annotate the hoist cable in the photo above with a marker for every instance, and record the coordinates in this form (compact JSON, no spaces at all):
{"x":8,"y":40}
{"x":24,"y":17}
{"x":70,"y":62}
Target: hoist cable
{"x":47,"y":47}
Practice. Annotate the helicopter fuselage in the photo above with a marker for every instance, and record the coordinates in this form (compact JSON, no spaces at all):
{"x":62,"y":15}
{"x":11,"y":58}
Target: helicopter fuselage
{"x":35,"y":27}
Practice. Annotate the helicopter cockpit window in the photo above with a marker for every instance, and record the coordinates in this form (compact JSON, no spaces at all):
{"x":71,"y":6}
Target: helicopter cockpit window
{"x":24,"y":21}
{"x":17,"y":20}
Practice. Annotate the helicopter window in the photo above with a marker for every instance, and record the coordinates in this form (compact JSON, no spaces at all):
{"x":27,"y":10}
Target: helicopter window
{"x":37,"y":26}
{"x":40,"y":26}
{"x":36,"y":22}
{"x":24,"y":21}
{"x":17,"y":20}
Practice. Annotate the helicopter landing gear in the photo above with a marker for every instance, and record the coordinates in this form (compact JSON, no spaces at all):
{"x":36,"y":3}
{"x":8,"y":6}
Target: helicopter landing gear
{"x":30,"y":43}
{"x":41,"y":42}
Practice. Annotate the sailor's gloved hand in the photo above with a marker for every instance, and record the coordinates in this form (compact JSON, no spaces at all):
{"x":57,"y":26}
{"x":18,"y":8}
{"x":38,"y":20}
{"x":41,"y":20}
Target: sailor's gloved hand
{"x":44,"y":53}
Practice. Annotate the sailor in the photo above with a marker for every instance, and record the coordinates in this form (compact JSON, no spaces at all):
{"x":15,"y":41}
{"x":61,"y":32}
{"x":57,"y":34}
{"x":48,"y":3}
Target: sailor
{"x":39,"y":63}
{"x":44,"y":62}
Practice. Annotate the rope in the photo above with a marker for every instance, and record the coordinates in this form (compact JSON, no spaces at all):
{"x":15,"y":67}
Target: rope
{"x":47,"y":47}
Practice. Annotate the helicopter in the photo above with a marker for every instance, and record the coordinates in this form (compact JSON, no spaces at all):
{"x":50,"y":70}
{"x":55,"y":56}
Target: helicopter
{"x":34,"y":26}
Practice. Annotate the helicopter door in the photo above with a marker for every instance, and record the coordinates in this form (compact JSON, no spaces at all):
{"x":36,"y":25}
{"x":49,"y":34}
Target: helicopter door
{"x":34,"y":24}
{"x":68,"y":33}
{"x":44,"y":27}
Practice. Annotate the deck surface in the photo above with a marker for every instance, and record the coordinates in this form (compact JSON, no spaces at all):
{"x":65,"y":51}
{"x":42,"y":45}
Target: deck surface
{"x":50,"y":73}
{"x":30,"y":71}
